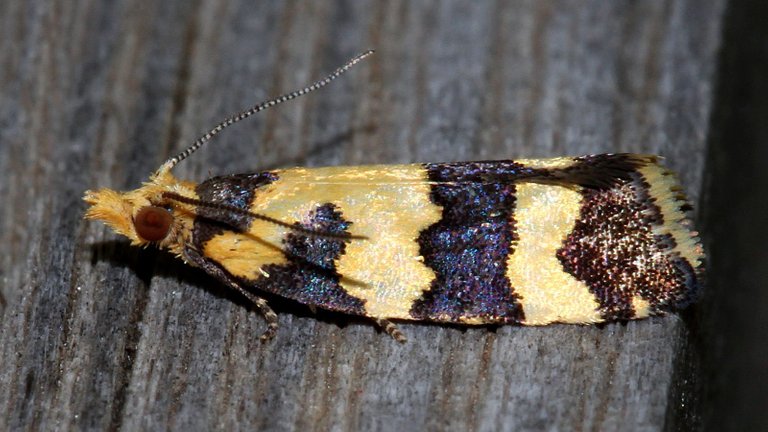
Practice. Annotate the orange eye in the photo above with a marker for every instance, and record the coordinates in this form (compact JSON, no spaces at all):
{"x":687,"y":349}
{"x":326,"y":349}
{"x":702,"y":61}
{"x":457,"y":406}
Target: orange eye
{"x":153,"y":223}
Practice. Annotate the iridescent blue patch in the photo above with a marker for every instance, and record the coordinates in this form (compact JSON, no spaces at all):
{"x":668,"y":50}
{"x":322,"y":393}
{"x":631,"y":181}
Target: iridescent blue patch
{"x":468,"y":248}
{"x":310,"y":276}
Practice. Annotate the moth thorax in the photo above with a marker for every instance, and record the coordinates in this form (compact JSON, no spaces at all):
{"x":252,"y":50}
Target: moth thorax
{"x":153,"y":223}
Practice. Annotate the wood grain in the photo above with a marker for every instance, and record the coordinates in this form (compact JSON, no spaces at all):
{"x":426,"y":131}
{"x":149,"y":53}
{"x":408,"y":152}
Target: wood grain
{"x":97,"y":335}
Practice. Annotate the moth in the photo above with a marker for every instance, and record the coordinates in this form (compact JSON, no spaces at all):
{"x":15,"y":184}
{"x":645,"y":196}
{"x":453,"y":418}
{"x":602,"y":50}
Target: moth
{"x":584,"y":239}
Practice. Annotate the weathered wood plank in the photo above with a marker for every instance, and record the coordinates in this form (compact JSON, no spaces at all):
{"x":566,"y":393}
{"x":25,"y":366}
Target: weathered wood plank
{"x":731,"y":336}
{"x":98,"y":335}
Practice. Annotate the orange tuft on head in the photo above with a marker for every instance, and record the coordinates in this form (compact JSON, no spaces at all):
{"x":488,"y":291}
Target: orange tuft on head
{"x":112,"y":208}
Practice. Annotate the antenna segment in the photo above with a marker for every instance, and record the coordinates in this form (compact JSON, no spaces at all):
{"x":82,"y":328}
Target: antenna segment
{"x":170,"y":163}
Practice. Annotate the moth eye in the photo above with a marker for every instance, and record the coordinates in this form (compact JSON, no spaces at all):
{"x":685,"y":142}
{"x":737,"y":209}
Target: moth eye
{"x":153,"y":223}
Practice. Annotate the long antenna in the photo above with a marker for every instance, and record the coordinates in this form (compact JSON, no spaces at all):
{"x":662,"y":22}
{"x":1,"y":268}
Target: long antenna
{"x":170,"y":163}
{"x":173,"y":196}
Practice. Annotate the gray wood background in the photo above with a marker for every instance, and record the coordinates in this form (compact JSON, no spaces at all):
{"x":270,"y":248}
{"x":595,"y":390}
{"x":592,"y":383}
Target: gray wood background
{"x":98,"y":335}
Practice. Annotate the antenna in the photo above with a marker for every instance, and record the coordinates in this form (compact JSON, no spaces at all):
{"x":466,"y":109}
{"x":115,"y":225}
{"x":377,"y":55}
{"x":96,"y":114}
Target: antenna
{"x":173,"y":196}
{"x":170,"y":163}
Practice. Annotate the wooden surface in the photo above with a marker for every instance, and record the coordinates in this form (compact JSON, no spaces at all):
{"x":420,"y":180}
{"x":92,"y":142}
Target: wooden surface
{"x":730,"y":340}
{"x":98,"y":335}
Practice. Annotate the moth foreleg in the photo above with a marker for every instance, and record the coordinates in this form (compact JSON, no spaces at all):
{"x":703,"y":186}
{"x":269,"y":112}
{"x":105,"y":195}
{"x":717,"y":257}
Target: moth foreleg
{"x":269,"y":315}
{"x":391,"y":329}
{"x":214,"y":269}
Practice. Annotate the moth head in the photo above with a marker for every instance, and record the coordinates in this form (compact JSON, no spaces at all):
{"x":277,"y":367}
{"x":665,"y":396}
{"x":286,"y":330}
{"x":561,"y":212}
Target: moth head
{"x":142,"y":215}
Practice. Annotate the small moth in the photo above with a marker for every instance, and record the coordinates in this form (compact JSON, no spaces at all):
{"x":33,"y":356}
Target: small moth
{"x":580,"y":240}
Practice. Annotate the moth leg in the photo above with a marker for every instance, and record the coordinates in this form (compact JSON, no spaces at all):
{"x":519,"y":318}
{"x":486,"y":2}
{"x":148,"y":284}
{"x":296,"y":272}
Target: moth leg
{"x":391,"y":329}
{"x":269,"y":315}
{"x":193,"y":256}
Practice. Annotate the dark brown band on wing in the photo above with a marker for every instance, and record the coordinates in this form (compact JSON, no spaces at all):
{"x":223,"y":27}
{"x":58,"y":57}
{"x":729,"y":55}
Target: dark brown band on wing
{"x":233,"y":190}
{"x":615,"y":250}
